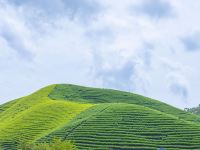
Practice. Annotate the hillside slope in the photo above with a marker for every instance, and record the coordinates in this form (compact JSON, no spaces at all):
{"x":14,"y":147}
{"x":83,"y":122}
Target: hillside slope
{"x":95,"y":95}
{"x":97,"y":119}
{"x":128,"y":126}
{"x":34,"y":116}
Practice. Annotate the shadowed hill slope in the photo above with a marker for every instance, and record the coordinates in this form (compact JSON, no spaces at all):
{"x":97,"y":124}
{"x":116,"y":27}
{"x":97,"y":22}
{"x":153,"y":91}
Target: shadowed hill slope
{"x":97,"y":119}
{"x":95,"y":95}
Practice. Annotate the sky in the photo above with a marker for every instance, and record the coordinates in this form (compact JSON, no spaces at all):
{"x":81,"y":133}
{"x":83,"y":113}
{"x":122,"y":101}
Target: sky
{"x":148,"y":47}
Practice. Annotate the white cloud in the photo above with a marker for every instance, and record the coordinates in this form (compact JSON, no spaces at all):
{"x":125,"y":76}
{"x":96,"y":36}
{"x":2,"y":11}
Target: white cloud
{"x":192,"y":42}
{"x":178,"y":85}
{"x":100,"y":43}
{"x":155,"y":9}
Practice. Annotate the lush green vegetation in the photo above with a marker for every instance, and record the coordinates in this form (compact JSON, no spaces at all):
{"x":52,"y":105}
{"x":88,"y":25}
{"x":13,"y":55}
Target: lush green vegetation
{"x":56,"y":144}
{"x":195,"y":110}
{"x":126,"y":126}
{"x":95,"y":95}
{"x":32,"y":117}
{"x":96,"y":119}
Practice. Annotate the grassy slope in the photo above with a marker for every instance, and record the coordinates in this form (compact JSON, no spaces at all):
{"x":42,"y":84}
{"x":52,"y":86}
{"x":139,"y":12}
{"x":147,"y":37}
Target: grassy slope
{"x":34,"y":116}
{"x":95,"y":95}
{"x":128,"y":126}
{"x":112,"y":119}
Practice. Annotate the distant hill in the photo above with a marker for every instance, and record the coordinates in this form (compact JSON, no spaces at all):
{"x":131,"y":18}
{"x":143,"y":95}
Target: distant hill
{"x":194,"y":110}
{"x":97,"y":119}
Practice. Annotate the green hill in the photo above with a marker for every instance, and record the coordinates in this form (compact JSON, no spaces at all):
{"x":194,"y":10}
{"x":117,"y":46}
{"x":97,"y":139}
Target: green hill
{"x":97,"y":119}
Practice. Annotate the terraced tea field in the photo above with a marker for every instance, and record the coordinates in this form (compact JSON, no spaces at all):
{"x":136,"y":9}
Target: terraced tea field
{"x":127,"y":126}
{"x":32,"y":117}
{"x":97,"y":119}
